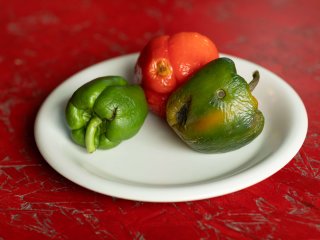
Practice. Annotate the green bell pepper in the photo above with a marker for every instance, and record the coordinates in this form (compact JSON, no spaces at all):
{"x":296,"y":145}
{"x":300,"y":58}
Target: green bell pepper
{"x":215,"y":111}
{"x":104,"y":112}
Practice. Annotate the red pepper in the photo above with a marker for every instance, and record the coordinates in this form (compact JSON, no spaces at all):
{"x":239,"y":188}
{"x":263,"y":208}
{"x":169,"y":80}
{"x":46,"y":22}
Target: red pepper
{"x":167,"y":61}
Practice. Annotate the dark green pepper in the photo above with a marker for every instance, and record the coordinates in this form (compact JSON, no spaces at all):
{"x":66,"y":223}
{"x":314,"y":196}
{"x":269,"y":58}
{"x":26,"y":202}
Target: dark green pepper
{"x":215,"y":110}
{"x":105,"y":111}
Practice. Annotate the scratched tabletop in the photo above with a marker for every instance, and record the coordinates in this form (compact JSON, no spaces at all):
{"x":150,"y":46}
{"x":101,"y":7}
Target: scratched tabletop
{"x":42,"y":43}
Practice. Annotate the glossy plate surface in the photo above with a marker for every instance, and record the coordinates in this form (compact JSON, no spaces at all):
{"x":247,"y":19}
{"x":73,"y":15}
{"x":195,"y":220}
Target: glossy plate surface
{"x":155,"y":165}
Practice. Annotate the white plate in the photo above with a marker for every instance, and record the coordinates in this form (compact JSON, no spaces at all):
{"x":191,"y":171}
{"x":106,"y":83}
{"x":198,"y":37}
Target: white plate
{"x":155,"y":165}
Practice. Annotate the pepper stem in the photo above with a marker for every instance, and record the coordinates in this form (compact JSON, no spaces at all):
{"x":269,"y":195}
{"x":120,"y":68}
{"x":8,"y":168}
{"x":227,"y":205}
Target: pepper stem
{"x":163,"y":68}
{"x":254,"y":81}
{"x":90,"y":134}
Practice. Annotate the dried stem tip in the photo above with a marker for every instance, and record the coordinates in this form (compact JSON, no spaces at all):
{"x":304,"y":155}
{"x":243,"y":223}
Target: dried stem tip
{"x":254,"y":81}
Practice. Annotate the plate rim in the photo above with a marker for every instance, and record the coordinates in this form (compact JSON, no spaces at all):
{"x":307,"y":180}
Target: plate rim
{"x":169,"y":194}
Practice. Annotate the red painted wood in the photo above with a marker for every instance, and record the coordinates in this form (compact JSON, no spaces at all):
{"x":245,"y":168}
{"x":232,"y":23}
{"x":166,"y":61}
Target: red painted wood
{"x":44,"y":42}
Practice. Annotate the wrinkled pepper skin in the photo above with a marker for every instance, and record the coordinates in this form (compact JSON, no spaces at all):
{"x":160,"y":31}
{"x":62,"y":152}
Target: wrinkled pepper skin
{"x":215,"y":111}
{"x":104,"y":112}
{"x":166,"y":62}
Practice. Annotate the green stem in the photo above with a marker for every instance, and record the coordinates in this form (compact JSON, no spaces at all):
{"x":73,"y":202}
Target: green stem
{"x":254,"y":81}
{"x":90,"y":134}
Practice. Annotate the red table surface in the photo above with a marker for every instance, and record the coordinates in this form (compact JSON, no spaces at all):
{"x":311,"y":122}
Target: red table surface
{"x":44,"y":42}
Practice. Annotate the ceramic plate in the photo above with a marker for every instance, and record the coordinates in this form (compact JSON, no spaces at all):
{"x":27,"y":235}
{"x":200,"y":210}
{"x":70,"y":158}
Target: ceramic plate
{"x":155,"y":165}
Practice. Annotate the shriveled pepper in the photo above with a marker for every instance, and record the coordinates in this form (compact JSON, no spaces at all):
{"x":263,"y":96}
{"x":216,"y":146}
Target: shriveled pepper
{"x":167,"y":61}
{"x":105,"y":111}
{"x":215,"y":110}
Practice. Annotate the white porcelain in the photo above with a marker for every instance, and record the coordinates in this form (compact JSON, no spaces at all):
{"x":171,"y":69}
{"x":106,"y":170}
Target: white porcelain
{"x":155,"y":165}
